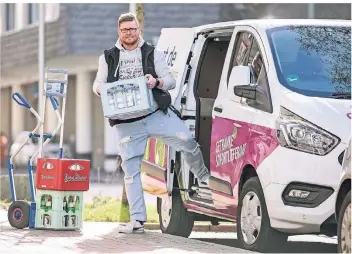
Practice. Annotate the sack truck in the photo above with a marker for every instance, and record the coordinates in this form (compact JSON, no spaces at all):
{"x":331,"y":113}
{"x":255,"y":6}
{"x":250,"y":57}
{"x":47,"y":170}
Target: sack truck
{"x":57,"y":201}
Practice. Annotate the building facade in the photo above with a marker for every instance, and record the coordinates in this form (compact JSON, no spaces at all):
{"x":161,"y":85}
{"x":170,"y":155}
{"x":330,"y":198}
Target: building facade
{"x":75,"y":36}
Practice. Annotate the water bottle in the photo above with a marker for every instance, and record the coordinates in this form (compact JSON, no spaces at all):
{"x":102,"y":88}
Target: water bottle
{"x":111,"y":100}
{"x":138,"y":95}
{"x":120,"y":101}
{"x":129,"y":96}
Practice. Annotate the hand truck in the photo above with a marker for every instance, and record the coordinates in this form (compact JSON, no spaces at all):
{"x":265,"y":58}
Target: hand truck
{"x":21,"y":214}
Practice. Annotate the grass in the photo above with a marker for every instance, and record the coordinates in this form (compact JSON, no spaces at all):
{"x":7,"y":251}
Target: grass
{"x":106,"y":209}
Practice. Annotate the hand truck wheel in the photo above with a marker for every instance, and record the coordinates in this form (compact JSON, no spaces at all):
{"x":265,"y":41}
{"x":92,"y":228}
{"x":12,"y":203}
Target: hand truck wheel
{"x":18,"y":214}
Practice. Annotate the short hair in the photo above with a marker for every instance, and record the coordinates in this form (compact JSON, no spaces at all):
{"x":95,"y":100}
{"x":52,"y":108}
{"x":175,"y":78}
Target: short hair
{"x":127,"y":17}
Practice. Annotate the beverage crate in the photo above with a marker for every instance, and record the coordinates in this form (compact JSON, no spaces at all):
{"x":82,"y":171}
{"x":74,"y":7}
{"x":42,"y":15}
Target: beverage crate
{"x":124,"y":99}
{"x":62,"y":174}
{"x":59,"y":210}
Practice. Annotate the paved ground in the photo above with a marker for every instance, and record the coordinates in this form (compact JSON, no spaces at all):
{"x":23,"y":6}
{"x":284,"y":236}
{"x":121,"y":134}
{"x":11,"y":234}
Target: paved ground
{"x":295,"y":244}
{"x":103,"y":238}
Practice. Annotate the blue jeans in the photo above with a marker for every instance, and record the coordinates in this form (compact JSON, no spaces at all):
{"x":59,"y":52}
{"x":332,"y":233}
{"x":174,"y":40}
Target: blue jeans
{"x":132,"y":139}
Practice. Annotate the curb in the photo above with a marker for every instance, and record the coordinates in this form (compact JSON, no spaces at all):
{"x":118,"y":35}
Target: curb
{"x":199,"y":228}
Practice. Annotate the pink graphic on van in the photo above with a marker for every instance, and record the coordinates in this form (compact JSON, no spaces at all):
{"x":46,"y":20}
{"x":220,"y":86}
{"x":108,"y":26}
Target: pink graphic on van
{"x":235,"y":144}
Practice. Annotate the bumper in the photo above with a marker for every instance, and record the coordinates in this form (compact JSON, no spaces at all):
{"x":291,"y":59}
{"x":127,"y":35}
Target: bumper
{"x":296,"y":220}
{"x":293,"y":166}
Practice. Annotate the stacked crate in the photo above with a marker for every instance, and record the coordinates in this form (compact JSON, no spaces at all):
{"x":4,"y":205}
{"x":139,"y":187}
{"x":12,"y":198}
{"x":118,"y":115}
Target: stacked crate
{"x":60,"y":186}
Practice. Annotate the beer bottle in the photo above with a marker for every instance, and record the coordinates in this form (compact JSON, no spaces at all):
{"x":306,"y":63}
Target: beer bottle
{"x":71,"y":205}
{"x":42,"y":202}
{"x":48,"y":205}
{"x":64,"y":206}
{"x":77,"y":203}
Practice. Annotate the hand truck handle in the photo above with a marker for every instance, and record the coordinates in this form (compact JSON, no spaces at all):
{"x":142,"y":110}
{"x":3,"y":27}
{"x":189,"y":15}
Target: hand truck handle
{"x":62,"y":71}
{"x":23,"y":102}
{"x":54,"y":102}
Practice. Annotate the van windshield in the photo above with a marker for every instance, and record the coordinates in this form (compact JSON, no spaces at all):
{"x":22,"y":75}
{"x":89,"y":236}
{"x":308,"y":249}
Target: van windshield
{"x":313,"y":60}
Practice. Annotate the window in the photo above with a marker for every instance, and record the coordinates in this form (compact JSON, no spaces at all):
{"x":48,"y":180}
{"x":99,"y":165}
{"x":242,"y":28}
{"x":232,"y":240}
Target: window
{"x":313,"y":60}
{"x":33,"y":13}
{"x":242,"y":49}
{"x":247,"y":52}
{"x":259,"y":77}
{"x":9,"y":17}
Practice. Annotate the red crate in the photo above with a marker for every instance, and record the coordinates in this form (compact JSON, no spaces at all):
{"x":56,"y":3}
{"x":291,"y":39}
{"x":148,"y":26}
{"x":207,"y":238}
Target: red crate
{"x":62,"y":174}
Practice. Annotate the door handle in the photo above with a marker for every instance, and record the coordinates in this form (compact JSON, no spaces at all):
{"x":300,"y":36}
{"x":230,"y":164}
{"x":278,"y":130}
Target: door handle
{"x":218,"y":109}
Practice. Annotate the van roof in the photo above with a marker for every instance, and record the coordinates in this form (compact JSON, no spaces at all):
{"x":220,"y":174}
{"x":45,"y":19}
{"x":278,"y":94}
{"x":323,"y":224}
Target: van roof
{"x":269,"y":23}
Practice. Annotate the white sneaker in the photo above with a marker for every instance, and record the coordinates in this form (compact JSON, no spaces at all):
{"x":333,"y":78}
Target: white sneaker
{"x":131,"y":227}
{"x":204,"y":184}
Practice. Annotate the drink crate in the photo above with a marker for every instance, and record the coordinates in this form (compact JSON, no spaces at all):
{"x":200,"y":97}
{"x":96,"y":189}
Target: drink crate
{"x":59,"y":210}
{"x":62,"y":174}
{"x":124,"y":99}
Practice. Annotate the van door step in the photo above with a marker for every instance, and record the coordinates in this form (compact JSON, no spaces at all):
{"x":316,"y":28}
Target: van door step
{"x":203,"y":193}
{"x":180,"y":189}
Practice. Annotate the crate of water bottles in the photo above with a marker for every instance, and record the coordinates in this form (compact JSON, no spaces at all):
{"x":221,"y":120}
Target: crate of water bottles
{"x":125,"y":99}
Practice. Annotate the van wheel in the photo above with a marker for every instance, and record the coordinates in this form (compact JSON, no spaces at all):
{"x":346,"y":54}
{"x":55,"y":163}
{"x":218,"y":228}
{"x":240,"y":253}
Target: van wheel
{"x":174,"y":219}
{"x":344,"y":226}
{"x":253,"y":226}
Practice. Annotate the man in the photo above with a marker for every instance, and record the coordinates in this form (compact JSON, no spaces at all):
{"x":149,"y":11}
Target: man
{"x":132,"y":57}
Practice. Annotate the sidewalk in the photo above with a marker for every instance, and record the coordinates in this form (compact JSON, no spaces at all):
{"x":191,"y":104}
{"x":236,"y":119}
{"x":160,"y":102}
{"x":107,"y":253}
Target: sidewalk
{"x":98,"y":237}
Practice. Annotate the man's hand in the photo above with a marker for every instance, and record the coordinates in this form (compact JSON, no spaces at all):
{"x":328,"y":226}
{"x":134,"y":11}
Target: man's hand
{"x":151,"y":81}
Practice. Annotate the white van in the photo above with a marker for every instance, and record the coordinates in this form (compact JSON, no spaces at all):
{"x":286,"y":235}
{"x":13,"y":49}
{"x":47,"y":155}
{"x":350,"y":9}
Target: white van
{"x":269,"y":102}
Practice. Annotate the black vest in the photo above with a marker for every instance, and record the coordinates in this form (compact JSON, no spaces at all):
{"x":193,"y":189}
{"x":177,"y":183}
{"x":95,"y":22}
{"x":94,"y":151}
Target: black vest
{"x":112,"y":56}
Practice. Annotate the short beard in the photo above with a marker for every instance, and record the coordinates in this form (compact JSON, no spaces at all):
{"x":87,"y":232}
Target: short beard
{"x":130,"y":43}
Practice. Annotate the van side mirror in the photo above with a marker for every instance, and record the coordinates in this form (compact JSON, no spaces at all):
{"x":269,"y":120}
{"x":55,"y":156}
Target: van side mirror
{"x":246,"y":91}
{"x":240,"y":76}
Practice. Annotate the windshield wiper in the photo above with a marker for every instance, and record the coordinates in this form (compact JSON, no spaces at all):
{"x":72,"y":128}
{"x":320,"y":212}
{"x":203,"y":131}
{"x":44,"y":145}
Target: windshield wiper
{"x":341,"y":95}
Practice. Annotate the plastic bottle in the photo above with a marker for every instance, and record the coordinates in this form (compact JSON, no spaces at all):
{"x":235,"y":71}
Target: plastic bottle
{"x":129,"y":96}
{"x":120,"y":101}
{"x":111,"y":99}
{"x":138,"y":95}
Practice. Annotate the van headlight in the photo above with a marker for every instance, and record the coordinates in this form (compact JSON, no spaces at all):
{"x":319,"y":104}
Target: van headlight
{"x":297,"y":133}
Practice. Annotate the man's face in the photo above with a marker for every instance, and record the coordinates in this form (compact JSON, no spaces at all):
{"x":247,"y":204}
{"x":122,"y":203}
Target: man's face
{"x":129,"y":32}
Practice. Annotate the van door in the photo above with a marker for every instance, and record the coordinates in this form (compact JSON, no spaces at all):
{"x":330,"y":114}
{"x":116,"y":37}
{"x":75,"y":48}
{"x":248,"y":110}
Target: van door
{"x":159,"y":159}
{"x":232,"y":118}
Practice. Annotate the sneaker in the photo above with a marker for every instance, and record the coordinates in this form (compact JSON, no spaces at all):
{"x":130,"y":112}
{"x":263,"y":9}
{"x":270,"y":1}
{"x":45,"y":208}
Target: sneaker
{"x":204,"y":184}
{"x":131,"y":227}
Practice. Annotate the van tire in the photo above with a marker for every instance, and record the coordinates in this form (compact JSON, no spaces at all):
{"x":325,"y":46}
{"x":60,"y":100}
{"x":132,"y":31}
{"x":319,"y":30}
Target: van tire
{"x":342,"y":219}
{"x":268,"y":239}
{"x":181,"y":221}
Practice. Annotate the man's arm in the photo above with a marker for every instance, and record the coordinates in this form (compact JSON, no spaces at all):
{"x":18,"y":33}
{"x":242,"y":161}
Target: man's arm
{"x":101,"y":76}
{"x":163,"y":71}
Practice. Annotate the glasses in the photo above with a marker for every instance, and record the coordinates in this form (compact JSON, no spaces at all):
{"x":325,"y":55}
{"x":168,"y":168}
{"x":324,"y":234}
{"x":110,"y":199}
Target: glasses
{"x":131,"y":30}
